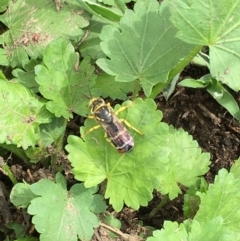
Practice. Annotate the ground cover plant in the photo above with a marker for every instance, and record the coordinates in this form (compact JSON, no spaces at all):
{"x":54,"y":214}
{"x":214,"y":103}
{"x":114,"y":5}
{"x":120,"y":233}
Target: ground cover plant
{"x":55,"y":57}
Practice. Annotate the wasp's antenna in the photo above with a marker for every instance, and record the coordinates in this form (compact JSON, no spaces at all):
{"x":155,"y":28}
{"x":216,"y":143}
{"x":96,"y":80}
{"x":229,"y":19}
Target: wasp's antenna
{"x":86,"y":96}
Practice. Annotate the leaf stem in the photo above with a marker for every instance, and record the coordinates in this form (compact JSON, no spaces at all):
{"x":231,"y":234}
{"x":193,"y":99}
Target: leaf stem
{"x":158,"y":207}
{"x":136,"y":90}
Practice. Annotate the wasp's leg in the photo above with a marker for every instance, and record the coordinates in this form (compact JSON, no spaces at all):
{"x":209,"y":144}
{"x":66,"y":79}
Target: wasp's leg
{"x":122,"y":108}
{"x":91,"y":129}
{"x":108,"y":140}
{"x":130,"y":126}
{"x":90,"y":117}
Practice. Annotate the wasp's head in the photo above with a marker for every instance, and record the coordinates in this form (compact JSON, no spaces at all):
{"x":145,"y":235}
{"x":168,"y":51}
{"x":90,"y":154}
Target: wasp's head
{"x":95,"y":103}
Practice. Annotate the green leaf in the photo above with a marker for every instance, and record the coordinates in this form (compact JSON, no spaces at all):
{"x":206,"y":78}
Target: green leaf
{"x":39,"y":25}
{"x":3,"y":57}
{"x":21,"y":195}
{"x":65,"y":215}
{"x":50,"y":132}
{"x":19,"y":230}
{"x":4,"y":5}
{"x":211,"y":230}
{"x":131,"y":177}
{"x":100,"y":10}
{"x":21,"y":114}
{"x":105,"y":83}
{"x":62,"y":81}
{"x":192,"y":83}
{"x":215,"y":24}
{"x":185,"y":162}
{"x":191,"y":199}
{"x":26,"y":76}
{"x":222,"y":199}
{"x":235,"y":168}
{"x":91,"y":43}
{"x":144,"y":48}
{"x":162,"y":158}
{"x":224,"y":98}
{"x":171,"y":231}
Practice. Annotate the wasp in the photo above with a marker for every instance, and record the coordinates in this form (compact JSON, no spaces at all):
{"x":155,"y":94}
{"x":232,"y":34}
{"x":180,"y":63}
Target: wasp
{"x":114,"y":129}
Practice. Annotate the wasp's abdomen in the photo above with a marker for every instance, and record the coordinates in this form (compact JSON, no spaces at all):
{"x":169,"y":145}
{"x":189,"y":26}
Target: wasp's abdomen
{"x":120,"y":137}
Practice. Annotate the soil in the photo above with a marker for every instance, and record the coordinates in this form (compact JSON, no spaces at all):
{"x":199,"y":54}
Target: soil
{"x":196,"y":112}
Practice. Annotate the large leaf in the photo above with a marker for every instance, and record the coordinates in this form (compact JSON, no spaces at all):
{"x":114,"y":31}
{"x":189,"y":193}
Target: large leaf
{"x":161,"y":158}
{"x":33,"y":24}
{"x":216,"y":24}
{"x":21,"y":114}
{"x":144,"y":48}
{"x":65,"y":215}
{"x":131,"y":177}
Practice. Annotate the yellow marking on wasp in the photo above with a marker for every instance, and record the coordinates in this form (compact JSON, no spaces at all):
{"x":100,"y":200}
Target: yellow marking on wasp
{"x":104,"y":114}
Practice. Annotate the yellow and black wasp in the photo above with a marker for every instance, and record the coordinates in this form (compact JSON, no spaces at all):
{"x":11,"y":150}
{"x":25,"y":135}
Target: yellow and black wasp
{"x":104,"y":114}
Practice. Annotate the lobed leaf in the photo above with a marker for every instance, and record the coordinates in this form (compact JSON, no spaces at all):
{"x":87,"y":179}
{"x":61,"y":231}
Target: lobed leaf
{"x":222,"y":199}
{"x":64,"y":215}
{"x":62,"y":81}
{"x":161,"y":158}
{"x":186,"y":163}
{"x":21,"y":195}
{"x":131,"y":177}
{"x":210,"y":230}
{"x":171,"y":231}
{"x":21,"y":115}
{"x":138,"y":50}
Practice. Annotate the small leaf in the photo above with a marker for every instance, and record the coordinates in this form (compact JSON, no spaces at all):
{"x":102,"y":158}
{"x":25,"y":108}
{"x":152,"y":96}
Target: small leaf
{"x":91,"y":44}
{"x":62,"y":83}
{"x":50,"y":132}
{"x":141,"y":49}
{"x":192,"y":83}
{"x":21,"y":195}
{"x":21,"y":114}
{"x":65,"y":215}
{"x":224,"y":98}
{"x":171,"y":231}
{"x":100,"y":10}
{"x":186,"y":163}
{"x":27,"y":76}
